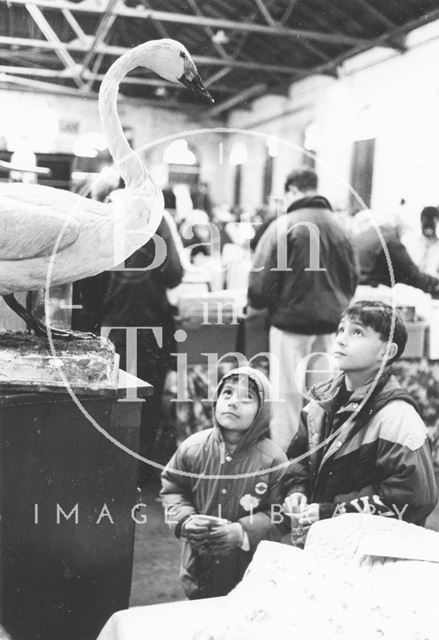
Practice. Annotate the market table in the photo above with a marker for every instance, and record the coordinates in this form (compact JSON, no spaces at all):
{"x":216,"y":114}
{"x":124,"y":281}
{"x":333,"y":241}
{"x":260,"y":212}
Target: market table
{"x":160,"y":621}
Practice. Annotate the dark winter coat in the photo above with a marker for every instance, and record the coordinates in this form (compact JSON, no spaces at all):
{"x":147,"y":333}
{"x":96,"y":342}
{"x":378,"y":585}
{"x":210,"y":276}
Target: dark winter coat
{"x":377,"y":458}
{"x":247,"y":500}
{"x":374,"y":261}
{"x":135,"y":296}
{"x":300,"y":298}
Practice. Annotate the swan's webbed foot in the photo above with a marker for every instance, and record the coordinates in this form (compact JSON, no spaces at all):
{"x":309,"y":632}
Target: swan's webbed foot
{"x":41,"y":330}
{"x":38,"y":327}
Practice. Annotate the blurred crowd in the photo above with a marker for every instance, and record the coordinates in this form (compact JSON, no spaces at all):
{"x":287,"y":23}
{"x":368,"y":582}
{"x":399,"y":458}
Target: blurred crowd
{"x":213,"y":247}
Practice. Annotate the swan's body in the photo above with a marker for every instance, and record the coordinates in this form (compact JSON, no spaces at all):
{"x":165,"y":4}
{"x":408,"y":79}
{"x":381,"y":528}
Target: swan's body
{"x":42,"y":227}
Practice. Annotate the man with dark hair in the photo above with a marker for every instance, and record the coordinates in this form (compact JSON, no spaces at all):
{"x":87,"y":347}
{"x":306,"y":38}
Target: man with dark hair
{"x":424,"y":248}
{"x":301,"y":182}
{"x":304,"y":273}
{"x":367,"y":444}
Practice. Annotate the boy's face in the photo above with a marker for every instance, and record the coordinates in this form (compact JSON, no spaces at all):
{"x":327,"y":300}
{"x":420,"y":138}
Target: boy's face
{"x":237,"y":405}
{"x":359,"y":348}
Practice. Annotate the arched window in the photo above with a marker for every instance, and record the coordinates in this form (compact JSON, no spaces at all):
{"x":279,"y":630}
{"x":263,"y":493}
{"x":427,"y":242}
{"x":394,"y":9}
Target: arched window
{"x":182,"y":162}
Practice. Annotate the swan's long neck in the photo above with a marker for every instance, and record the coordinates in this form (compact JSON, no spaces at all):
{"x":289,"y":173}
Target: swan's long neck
{"x":130,"y":166}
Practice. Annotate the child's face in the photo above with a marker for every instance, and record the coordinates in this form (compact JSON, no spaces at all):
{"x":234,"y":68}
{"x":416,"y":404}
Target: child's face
{"x":237,"y":406}
{"x":357,"y":347}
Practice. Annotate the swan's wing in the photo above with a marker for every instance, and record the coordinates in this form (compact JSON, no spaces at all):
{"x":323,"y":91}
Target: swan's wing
{"x":29,"y":231}
{"x":59,"y":201}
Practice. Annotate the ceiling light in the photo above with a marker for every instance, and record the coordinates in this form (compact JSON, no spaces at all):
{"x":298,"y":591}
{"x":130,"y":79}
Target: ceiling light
{"x":220,"y":37}
{"x":178,"y":152}
{"x":161,"y":92}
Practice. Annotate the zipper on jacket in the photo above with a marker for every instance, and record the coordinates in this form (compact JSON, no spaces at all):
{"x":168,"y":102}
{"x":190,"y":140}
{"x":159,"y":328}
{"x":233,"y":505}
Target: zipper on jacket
{"x":222,"y":452}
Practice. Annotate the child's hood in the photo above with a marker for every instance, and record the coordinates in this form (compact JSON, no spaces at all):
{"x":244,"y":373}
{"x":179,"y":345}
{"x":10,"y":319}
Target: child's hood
{"x":261,"y":423}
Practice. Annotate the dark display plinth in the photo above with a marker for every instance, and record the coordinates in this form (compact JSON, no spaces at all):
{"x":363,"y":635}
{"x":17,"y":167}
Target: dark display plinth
{"x":67,"y":494}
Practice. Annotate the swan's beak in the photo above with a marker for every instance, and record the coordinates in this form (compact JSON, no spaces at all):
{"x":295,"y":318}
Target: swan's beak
{"x":196,"y":86}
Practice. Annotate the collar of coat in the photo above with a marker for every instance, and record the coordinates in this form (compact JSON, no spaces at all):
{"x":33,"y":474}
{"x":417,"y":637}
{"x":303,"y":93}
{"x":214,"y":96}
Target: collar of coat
{"x":310,"y":202}
{"x":367,"y":399}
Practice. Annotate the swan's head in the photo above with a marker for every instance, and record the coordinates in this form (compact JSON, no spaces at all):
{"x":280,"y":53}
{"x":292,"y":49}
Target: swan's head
{"x":172,"y":61}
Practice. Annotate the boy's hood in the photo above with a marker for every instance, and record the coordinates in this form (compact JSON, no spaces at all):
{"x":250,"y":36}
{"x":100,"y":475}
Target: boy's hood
{"x":261,"y":423}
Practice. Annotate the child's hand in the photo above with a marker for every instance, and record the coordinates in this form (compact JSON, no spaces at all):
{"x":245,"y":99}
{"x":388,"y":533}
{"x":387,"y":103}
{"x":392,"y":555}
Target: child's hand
{"x":225,"y":538}
{"x":309,"y":514}
{"x":195,"y":530}
{"x":294,"y":503}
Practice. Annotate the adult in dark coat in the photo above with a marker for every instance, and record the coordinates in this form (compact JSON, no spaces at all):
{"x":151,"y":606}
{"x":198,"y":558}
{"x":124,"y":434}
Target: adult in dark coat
{"x":379,"y":257}
{"x":304,"y":300}
{"x":130,"y":298}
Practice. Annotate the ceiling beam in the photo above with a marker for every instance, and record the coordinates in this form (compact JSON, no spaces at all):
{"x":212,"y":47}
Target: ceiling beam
{"x":237,"y":49}
{"x":26,"y":84}
{"x":38,"y":58}
{"x":244,"y":36}
{"x":377,"y":15}
{"x":73,"y":23}
{"x":217,"y":76}
{"x":210,"y":32}
{"x":141,"y":12}
{"x":396,"y":43}
{"x":252,"y":66}
{"x":288,"y":11}
{"x":65,"y":74}
{"x":159,"y":26}
{"x":379,"y":41}
{"x":29,"y":84}
{"x":307,"y":45}
{"x":5,"y":78}
{"x":265,"y":13}
{"x":232,"y":102}
{"x":104,"y":26}
{"x":82,"y":46}
{"x":51,"y":36}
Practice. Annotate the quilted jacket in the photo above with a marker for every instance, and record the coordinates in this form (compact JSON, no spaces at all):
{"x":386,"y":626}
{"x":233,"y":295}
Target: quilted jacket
{"x":244,"y":487}
{"x":370,"y":455}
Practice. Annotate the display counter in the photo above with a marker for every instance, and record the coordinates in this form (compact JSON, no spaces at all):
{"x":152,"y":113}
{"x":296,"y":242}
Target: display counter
{"x":68,"y":492}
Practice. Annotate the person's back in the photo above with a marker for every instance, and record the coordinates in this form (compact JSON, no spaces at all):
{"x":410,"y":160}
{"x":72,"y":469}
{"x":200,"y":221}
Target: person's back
{"x":136,"y":297}
{"x":231,"y":471}
{"x":424,"y":247}
{"x":306,"y":290}
{"x":383,"y":259}
{"x":305,"y":273}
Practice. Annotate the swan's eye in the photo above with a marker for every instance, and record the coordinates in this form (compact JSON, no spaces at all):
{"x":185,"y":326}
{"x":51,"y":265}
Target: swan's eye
{"x":182,"y":54}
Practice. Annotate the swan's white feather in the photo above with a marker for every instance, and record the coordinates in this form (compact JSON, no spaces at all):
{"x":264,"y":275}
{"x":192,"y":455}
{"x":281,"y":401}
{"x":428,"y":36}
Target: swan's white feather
{"x":28,"y":231}
{"x":50,"y":199}
{"x":50,"y":236}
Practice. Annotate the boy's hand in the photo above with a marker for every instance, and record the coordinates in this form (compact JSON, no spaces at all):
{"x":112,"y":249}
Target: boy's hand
{"x":225,"y":538}
{"x":309,"y":514}
{"x":294,"y":503}
{"x":195,"y":530}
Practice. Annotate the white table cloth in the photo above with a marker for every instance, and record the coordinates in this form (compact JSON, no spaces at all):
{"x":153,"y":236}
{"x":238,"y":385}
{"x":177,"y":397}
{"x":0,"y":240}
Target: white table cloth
{"x":159,"y":621}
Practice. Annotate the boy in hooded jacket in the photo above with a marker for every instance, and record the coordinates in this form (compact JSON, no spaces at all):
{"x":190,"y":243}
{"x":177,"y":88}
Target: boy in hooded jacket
{"x":233,"y":472}
{"x":362,"y":446}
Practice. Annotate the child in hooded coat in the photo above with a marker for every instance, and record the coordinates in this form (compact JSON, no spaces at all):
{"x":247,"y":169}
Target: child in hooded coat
{"x":231,"y":471}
